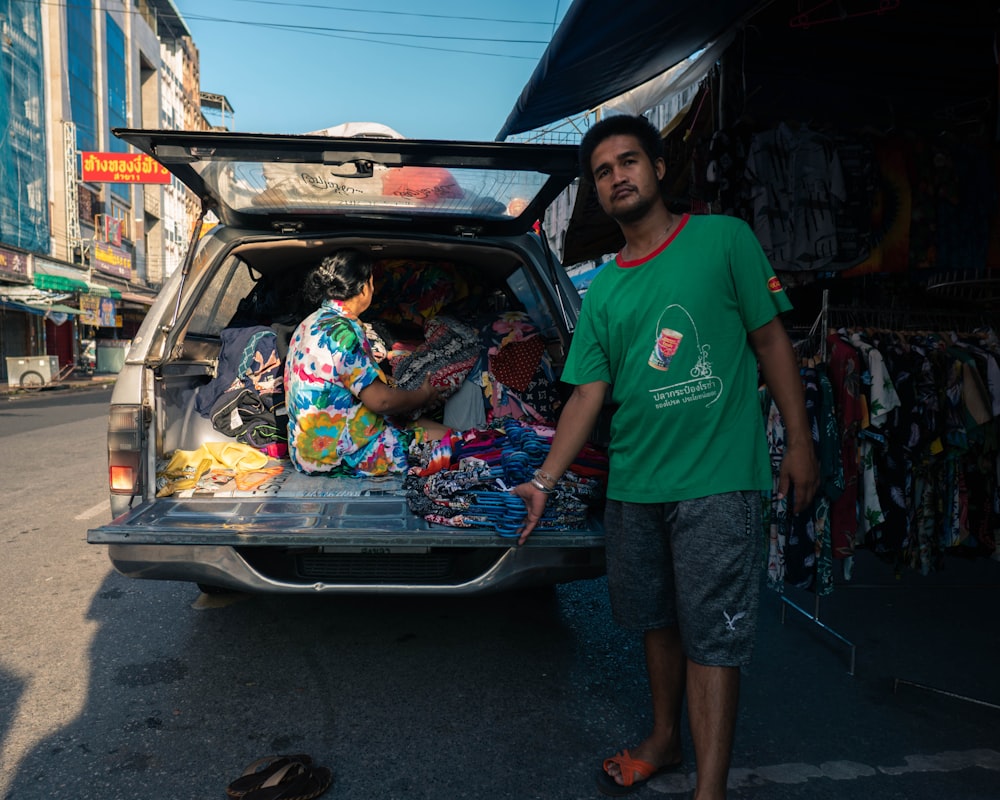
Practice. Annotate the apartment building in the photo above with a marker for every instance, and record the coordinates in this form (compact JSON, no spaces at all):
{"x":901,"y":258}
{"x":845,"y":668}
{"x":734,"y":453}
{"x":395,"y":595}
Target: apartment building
{"x":88,"y":230}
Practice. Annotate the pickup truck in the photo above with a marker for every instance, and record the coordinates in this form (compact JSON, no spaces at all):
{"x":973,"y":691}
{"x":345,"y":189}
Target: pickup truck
{"x":464,"y":216}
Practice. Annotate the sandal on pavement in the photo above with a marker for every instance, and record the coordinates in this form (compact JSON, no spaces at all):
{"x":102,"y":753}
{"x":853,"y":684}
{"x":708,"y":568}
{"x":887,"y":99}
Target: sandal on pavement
{"x":295,"y":781}
{"x":260,"y":770}
{"x":629,"y":766}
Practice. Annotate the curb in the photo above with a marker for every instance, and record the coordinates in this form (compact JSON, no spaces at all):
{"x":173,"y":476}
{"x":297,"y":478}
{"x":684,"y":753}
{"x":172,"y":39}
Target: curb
{"x":9,"y":391}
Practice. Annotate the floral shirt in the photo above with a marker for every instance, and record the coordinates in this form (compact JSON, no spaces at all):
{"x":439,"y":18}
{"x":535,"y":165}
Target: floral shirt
{"x":329,"y":429}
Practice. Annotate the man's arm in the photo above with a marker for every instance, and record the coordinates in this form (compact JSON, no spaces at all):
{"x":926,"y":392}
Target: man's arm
{"x":575,"y":424}
{"x":781,"y":374}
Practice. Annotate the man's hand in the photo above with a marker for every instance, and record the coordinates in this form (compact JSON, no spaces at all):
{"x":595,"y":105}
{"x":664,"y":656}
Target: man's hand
{"x":534,"y":502}
{"x":799,"y":471}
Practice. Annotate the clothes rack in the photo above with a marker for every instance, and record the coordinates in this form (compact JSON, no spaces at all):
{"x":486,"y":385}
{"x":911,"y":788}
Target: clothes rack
{"x":819,"y":329}
{"x":832,"y":318}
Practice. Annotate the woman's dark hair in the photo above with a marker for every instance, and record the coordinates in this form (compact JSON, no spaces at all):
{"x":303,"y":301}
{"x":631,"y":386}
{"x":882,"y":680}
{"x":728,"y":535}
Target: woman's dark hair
{"x":619,"y":125}
{"x":339,"y":276}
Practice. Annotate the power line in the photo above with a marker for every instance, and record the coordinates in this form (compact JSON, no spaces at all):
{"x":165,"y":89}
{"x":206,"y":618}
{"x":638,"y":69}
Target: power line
{"x":325,"y":29}
{"x":555,"y":18}
{"x":393,"y":44}
{"x":399,"y":13}
{"x":328,"y":32}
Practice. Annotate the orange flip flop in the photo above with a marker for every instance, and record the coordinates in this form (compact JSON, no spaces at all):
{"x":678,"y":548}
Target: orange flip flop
{"x":629,"y":767}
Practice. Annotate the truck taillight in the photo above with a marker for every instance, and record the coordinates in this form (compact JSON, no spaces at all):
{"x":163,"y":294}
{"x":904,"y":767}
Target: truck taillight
{"x":125,"y":449}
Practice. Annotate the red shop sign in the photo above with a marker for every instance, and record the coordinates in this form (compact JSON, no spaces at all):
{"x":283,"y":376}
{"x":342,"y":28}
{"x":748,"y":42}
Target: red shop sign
{"x":122,"y":168}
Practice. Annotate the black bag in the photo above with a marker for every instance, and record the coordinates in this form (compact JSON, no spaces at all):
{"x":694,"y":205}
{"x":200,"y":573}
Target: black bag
{"x":241,"y":413}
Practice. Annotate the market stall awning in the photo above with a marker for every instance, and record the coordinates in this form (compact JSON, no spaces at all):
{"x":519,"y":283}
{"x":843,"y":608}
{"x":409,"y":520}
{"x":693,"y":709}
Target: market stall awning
{"x":60,"y":283}
{"x":39,"y":309}
{"x":601,"y":50}
{"x":104,"y":291}
{"x":59,"y":308}
{"x":24,"y":308}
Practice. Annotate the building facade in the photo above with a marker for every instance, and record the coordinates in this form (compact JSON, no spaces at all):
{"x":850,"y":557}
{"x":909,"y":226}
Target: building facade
{"x":81,"y":257}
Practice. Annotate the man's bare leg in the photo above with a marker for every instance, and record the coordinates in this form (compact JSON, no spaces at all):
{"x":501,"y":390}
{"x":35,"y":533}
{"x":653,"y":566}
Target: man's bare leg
{"x":713,"y":700}
{"x":665,"y":665}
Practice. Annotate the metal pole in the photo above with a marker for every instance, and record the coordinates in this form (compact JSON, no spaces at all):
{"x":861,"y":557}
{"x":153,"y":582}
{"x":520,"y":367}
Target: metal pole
{"x":815,"y":619}
{"x":897,"y":681}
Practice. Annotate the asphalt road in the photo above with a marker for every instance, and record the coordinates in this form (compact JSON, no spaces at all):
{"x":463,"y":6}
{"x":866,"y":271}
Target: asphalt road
{"x":112,"y":688}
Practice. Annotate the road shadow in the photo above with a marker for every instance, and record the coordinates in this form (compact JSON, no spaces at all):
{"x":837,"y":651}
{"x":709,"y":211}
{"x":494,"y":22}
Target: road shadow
{"x":400,"y":696}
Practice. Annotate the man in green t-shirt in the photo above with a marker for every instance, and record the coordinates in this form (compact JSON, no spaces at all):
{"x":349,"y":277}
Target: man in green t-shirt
{"x":674,"y":327}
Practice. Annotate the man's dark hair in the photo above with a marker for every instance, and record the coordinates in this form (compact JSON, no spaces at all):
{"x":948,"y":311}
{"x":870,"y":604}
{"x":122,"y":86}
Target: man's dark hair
{"x":619,"y":125}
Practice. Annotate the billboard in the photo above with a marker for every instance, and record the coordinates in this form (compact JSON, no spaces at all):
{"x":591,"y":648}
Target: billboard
{"x":122,"y":168}
{"x":101,"y":312}
{"x":111,"y":260}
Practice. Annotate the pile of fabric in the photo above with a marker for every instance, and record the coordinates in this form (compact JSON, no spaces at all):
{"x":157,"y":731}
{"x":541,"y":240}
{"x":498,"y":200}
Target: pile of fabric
{"x":464,"y":480}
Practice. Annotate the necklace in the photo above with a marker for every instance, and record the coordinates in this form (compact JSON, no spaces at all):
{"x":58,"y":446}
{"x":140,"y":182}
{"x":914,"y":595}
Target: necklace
{"x":674,"y":219}
{"x":626,"y":253}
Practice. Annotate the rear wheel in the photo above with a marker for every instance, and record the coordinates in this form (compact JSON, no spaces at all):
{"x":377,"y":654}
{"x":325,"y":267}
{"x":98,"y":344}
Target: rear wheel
{"x":32,"y":380}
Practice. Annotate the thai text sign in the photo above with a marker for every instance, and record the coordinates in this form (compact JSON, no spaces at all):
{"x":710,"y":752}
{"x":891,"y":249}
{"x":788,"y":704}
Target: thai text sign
{"x":122,"y":168}
{"x":13,"y":264}
{"x":112,"y":260}
{"x":101,"y":312}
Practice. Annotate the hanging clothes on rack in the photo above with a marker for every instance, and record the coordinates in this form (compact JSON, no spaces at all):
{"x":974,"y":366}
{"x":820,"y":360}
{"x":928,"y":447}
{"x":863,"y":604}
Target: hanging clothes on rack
{"x":845,"y":375}
{"x":914,"y":432}
{"x":799,"y":546}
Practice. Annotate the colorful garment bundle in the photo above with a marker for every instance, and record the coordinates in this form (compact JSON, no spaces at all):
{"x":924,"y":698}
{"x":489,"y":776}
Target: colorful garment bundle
{"x":428,"y":288}
{"x":248,"y":359}
{"x":531,"y":393}
{"x":448,"y":351}
{"x":506,"y":360}
{"x":472,"y":496}
{"x":472,"y":490}
{"x":433,"y":456}
{"x":516,"y":363}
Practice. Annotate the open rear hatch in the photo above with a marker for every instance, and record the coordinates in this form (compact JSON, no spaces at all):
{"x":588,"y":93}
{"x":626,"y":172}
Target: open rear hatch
{"x":314,"y":184}
{"x":322,"y":183}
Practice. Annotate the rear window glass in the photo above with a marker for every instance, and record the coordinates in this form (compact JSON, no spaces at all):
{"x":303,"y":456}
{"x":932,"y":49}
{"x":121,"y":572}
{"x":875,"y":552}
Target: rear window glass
{"x":264,"y":188}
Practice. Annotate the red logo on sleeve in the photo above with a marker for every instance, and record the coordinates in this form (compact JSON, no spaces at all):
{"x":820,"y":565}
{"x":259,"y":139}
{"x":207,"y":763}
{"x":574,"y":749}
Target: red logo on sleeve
{"x":774,"y":284}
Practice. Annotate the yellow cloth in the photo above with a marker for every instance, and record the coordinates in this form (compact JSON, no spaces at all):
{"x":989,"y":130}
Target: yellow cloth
{"x":228,"y":455}
{"x":186,"y":467}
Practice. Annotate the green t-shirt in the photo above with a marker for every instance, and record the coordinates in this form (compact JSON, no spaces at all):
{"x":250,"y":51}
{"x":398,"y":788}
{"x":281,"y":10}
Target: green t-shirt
{"x":669,"y":333}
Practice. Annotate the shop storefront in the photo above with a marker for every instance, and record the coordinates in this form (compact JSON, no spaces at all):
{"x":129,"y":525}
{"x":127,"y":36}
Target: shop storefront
{"x":77,"y":315}
{"x":20,"y":326}
{"x":69,"y":281}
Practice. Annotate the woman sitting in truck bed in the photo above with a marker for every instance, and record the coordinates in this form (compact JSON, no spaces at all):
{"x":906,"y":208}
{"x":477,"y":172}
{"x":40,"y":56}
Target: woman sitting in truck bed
{"x":341,"y":408}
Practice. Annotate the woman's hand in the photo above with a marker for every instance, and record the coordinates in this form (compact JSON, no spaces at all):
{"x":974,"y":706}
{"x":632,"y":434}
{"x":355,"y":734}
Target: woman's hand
{"x":431,"y":392}
{"x":388,"y":400}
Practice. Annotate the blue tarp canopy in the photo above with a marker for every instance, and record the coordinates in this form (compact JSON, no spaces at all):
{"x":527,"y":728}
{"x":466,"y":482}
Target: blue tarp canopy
{"x":925,"y":66}
{"x":37,"y":309}
{"x":603,"y":49}
{"x":878,"y":63}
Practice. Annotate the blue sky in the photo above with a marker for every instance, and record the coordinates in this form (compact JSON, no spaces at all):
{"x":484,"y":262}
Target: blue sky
{"x":433,"y":69}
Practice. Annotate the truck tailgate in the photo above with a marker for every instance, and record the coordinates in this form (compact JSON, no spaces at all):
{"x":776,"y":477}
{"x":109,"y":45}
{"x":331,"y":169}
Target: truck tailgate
{"x":297,"y":510}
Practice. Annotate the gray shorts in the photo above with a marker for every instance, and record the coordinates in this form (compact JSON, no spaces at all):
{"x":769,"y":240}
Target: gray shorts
{"x":695,"y":564}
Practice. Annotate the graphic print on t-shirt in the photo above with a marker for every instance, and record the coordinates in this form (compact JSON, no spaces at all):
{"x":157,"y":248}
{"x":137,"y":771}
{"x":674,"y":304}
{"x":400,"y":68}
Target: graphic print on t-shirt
{"x":683,"y":359}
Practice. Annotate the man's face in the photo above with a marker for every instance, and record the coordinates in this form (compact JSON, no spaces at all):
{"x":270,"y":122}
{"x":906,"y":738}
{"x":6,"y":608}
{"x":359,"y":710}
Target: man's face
{"x":627,"y":182}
